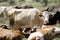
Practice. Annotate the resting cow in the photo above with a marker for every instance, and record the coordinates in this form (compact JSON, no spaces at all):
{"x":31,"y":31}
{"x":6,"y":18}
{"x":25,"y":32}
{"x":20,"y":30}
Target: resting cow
{"x":6,"y":34}
{"x":42,"y":34}
{"x":56,"y":31}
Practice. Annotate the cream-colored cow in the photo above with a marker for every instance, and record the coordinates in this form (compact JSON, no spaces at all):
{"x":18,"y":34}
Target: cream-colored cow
{"x":27,"y":18}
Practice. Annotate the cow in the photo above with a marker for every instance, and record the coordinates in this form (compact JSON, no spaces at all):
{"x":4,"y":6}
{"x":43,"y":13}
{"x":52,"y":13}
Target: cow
{"x":27,"y":18}
{"x":27,"y":31}
{"x":42,"y":34}
{"x":56,"y":31}
{"x":6,"y":34}
{"x":23,"y":18}
{"x":36,"y":36}
{"x":51,"y":15}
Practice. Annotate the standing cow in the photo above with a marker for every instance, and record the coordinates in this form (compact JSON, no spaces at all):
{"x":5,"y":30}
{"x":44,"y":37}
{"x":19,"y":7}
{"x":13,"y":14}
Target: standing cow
{"x":51,"y":14}
{"x":28,"y":18}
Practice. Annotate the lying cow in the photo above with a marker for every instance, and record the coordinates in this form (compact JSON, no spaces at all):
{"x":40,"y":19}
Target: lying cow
{"x":36,"y":36}
{"x":27,"y":31}
{"x":56,"y":31}
{"x":6,"y":34}
{"x":42,"y":34}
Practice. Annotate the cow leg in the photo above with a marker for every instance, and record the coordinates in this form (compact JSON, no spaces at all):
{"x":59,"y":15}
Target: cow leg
{"x":59,"y":22}
{"x":4,"y":16}
{"x":11,"y":23}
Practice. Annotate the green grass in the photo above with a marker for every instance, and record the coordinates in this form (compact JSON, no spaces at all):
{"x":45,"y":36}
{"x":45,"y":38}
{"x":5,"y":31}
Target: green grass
{"x":24,"y":39}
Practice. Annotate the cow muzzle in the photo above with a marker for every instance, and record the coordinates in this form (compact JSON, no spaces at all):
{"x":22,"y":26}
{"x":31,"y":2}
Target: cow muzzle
{"x":46,"y":21}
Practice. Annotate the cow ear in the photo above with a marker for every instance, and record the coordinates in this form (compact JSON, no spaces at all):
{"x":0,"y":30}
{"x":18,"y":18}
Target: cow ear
{"x":17,"y":12}
{"x":48,"y":33}
{"x":53,"y":30}
{"x":50,"y":15}
{"x":41,"y":14}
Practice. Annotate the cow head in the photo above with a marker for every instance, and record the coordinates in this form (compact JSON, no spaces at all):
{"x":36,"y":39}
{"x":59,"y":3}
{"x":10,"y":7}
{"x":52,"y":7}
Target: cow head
{"x":47,"y":15}
{"x":29,"y":30}
{"x":4,"y":26}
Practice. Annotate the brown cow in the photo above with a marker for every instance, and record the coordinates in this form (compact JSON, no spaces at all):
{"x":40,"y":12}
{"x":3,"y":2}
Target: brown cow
{"x":6,"y":34}
{"x":42,"y":34}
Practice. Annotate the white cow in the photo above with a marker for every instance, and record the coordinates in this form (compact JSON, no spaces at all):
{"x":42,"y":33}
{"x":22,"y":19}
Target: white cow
{"x":6,"y":34}
{"x":28,"y":18}
{"x":36,"y":36}
{"x":50,"y":15}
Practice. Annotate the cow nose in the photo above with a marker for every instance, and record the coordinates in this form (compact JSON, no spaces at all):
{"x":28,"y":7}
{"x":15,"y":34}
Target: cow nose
{"x":46,"y":21}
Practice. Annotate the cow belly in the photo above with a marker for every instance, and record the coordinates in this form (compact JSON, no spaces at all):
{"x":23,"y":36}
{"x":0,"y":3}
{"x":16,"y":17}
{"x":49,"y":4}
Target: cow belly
{"x":23,"y":22}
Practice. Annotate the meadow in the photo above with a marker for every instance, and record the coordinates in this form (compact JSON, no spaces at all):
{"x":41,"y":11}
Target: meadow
{"x":37,"y":5}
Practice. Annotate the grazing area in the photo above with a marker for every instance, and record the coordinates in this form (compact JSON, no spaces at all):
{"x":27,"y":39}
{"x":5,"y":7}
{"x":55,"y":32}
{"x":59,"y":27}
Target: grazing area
{"x":30,"y":19}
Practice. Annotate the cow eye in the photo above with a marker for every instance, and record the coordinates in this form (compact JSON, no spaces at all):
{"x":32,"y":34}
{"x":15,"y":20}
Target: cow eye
{"x":41,"y":15}
{"x":50,"y":16}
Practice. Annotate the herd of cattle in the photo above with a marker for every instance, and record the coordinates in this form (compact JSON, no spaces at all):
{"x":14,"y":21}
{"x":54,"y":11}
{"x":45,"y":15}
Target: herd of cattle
{"x":29,"y":22}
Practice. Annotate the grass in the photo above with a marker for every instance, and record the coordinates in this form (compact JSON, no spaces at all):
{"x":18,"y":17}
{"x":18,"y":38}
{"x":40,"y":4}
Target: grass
{"x":24,"y":39}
